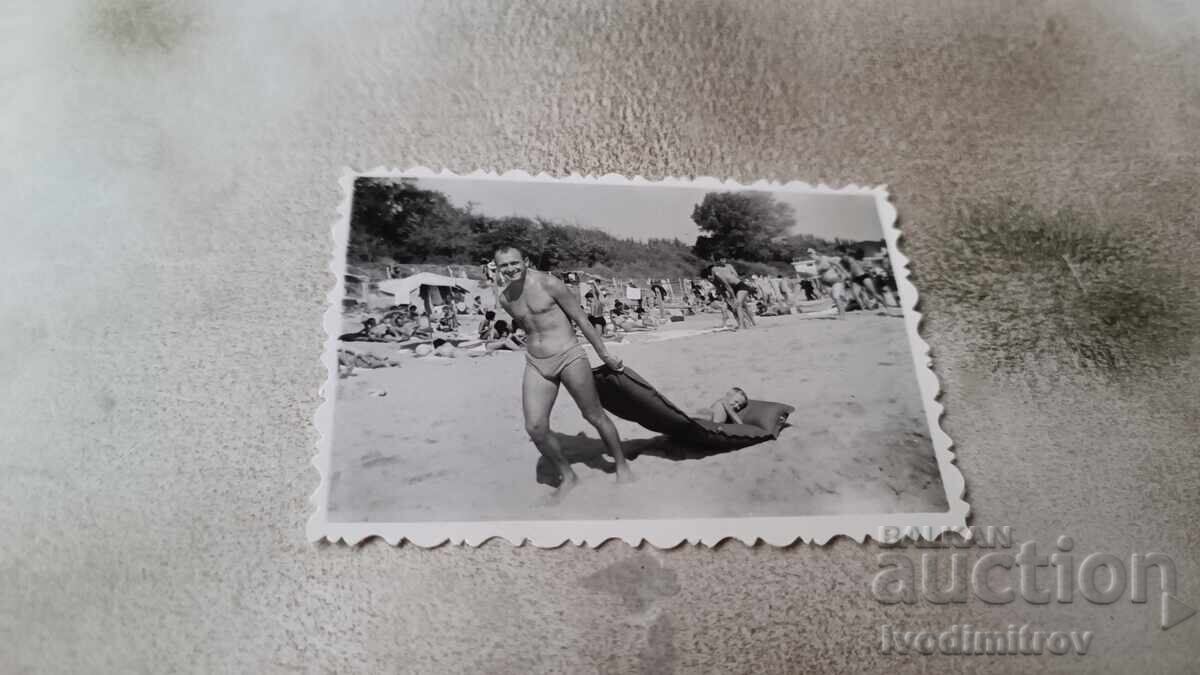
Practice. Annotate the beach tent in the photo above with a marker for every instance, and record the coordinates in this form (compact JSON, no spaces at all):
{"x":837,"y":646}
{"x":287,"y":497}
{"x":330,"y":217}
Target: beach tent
{"x":409,"y":290}
{"x":423,"y":288}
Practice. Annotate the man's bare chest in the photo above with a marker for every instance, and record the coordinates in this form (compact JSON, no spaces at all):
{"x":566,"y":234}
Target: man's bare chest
{"x":532,"y":302}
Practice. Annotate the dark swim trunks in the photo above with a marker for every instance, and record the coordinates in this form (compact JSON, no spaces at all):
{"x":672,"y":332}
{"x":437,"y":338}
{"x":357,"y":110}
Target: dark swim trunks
{"x":742,"y":286}
{"x":858,"y":279}
{"x":597,"y":321}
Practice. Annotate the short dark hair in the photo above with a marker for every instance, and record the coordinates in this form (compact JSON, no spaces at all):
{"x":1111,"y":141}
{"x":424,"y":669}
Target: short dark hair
{"x":507,"y":247}
{"x":589,"y":294}
{"x":489,"y":315}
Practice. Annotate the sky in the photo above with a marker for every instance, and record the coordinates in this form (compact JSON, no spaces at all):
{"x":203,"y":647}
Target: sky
{"x":644,"y":212}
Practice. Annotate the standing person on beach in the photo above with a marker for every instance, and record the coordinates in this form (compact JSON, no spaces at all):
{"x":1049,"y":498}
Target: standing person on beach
{"x":833,"y":277}
{"x":861,"y":283}
{"x":734,"y":291}
{"x":546,"y":309}
{"x":806,"y":285}
{"x":595,"y":309}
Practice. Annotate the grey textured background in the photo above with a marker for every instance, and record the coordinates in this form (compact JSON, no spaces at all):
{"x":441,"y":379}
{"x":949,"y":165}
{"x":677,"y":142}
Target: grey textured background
{"x":169,"y":180}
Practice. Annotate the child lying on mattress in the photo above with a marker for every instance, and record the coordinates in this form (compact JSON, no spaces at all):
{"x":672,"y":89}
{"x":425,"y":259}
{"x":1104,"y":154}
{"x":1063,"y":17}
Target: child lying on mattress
{"x":725,"y":409}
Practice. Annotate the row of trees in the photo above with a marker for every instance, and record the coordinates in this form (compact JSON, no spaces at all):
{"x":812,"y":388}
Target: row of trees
{"x":393,"y":218}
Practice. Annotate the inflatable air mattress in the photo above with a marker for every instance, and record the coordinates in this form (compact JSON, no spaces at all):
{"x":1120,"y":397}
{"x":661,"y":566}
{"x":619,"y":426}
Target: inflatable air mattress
{"x":628,"y":396}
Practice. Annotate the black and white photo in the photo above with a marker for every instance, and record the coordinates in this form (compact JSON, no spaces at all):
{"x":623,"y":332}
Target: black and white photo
{"x":581,"y":359}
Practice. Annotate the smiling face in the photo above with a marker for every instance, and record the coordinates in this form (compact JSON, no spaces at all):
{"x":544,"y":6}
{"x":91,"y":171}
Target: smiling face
{"x":510,"y":263}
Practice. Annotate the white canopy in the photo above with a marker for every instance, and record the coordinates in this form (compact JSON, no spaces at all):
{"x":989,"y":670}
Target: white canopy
{"x":408,"y":289}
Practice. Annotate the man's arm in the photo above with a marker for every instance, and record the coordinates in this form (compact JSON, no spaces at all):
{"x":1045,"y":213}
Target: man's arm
{"x":731,"y":414}
{"x":497,"y":284}
{"x":563,"y":296}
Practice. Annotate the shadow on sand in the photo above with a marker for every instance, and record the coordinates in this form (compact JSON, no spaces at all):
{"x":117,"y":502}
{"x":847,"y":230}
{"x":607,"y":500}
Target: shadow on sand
{"x":582,"y":449}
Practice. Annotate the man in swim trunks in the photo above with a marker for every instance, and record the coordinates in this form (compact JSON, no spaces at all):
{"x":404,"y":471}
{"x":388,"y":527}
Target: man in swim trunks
{"x":861,"y":283}
{"x":733,"y":291}
{"x":834,"y":277}
{"x":595,"y":309}
{"x":546,"y":308}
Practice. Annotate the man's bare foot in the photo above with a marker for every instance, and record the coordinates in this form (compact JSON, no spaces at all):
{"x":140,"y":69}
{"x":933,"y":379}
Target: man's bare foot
{"x":569,"y":480}
{"x":625,"y":474}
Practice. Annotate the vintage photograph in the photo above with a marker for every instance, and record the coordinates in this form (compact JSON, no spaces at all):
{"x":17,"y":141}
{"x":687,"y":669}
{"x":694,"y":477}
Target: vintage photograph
{"x":577,"y":359}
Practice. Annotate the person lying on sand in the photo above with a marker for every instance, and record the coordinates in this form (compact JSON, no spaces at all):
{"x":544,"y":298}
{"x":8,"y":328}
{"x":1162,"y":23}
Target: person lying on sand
{"x":447,"y":349}
{"x":546,"y":308}
{"x":725,"y":409}
{"x":775,"y":308}
{"x":374,"y":331}
{"x":362,"y":335}
{"x":349,"y":360}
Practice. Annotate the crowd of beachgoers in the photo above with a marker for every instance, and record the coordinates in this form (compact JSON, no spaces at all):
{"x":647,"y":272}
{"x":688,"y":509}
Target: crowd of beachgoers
{"x":473,"y":326}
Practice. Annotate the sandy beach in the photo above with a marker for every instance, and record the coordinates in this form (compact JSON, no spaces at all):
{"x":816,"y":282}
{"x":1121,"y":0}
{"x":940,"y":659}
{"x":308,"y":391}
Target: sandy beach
{"x":446,"y":441}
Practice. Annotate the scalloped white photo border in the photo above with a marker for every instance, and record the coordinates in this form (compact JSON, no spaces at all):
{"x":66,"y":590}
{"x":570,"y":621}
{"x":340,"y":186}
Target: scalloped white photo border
{"x":777,"y":531}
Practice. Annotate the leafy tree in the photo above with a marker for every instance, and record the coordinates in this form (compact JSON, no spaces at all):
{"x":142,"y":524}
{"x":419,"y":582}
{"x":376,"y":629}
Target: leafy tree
{"x":743,"y":225}
{"x":420,"y":224}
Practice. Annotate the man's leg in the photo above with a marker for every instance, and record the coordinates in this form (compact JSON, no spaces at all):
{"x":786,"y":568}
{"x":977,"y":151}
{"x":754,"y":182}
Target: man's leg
{"x":581,"y":385}
{"x":725,"y":307}
{"x":869,"y":285}
{"x":537,"y":400}
{"x":858,"y":295}
{"x":743,"y":309}
{"x":838,"y":292}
